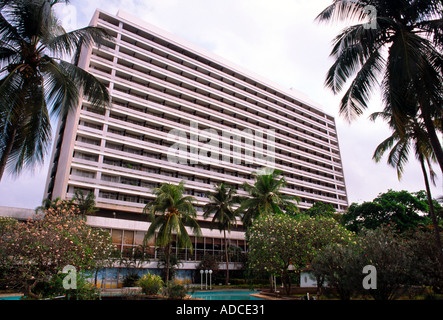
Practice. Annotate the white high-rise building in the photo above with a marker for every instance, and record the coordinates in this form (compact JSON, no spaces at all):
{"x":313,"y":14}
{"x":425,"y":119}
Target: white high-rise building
{"x":179,"y":113}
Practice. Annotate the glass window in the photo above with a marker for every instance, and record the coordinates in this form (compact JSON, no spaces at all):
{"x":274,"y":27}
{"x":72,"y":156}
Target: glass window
{"x":138,"y":238}
{"x":117,"y":238}
{"x":128,"y":238}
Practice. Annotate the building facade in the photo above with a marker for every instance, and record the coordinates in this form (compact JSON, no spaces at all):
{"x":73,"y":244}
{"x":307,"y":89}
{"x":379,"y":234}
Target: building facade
{"x":179,"y":113}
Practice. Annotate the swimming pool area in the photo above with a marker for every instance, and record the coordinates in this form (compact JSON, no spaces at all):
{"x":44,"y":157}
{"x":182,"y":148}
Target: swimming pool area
{"x":9,"y":298}
{"x":205,"y":295}
{"x":225,"y":295}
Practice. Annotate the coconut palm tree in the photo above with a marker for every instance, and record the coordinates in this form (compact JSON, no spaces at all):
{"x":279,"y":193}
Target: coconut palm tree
{"x":400,"y":146}
{"x":396,"y":44}
{"x":265,"y":197}
{"x":170,"y":213}
{"x":224,"y":215}
{"x":35,"y":82}
{"x":85,"y":202}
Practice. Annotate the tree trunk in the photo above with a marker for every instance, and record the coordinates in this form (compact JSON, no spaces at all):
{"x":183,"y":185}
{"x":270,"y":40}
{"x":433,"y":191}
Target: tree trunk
{"x":432,"y":213}
{"x":167,"y":254}
{"x":432,"y":135}
{"x":7,"y":152}
{"x":286,"y":279}
{"x":226,"y":257}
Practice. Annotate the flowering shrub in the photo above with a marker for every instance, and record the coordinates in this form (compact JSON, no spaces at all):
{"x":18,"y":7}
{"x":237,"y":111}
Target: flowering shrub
{"x":35,"y":251}
{"x":277,"y":242}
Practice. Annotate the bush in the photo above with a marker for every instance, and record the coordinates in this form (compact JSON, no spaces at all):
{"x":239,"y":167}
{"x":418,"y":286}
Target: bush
{"x":131,"y":280}
{"x":176,"y":291}
{"x":237,"y":281}
{"x":150,"y":284}
{"x":54,"y":288}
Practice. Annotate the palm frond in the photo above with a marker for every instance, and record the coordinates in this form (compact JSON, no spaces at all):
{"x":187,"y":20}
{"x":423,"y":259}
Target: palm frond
{"x":61,"y":90}
{"x":343,"y":10}
{"x":69,"y":42}
{"x":32,"y":141}
{"x":92,"y":89}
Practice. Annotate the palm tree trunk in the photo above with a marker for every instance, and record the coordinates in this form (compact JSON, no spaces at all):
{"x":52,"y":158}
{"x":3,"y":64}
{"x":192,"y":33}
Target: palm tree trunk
{"x":432,"y":134}
{"x":167,"y":254}
{"x":7,"y":152}
{"x":432,"y":213}
{"x":226,"y":257}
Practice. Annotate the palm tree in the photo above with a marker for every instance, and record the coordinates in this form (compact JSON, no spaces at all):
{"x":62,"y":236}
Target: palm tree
{"x":170,"y":213}
{"x":265,"y":197}
{"x":35,"y":83}
{"x":223,"y":213}
{"x":401,"y":46}
{"x":85,"y":203}
{"x":400,"y":145}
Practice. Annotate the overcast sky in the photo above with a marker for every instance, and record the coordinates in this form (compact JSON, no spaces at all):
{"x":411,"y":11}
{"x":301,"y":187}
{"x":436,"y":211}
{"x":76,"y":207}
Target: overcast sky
{"x":278,"y":40}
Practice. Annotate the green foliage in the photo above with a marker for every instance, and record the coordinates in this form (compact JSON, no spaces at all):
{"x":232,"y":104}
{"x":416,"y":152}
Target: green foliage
{"x":339,"y":266}
{"x":220,"y":207}
{"x":265,"y":197}
{"x":223,"y":213}
{"x":401,"y":260}
{"x":385,"y":249}
{"x":35,"y":251}
{"x":400,"y":51}
{"x":54,"y":288}
{"x":208,"y":262}
{"x":425,"y":268}
{"x":131,"y":280}
{"x":279,"y":241}
{"x":176,"y":291}
{"x":321,"y":209}
{"x":150,"y":284}
{"x":36,"y":83}
{"x":396,"y":207}
{"x":6,"y":223}
{"x":85,"y":203}
{"x":171,"y":212}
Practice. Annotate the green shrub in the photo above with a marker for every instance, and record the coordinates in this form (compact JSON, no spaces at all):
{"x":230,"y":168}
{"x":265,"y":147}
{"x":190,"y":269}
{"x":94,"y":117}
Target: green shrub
{"x":237,"y":281}
{"x":131,"y":280}
{"x":176,"y":291}
{"x":150,"y":283}
{"x":54,"y":288}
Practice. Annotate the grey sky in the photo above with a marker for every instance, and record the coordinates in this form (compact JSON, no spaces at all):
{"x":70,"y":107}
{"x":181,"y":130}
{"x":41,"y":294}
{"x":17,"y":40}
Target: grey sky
{"x":278,"y":40}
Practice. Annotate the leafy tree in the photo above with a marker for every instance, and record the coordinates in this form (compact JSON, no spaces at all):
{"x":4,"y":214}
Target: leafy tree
{"x":35,"y":251}
{"x":265,"y":197}
{"x":425,"y":268}
{"x":385,"y":249}
{"x":398,"y":46}
{"x":223,"y":213}
{"x":339,"y":266}
{"x":321,"y":209}
{"x":36,"y":83}
{"x":400,"y":144}
{"x":170,"y":213}
{"x":396,"y":207}
{"x":277,"y":242}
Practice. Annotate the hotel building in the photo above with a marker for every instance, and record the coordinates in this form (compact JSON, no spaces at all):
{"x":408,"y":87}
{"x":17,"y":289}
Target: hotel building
{"x":179,"y":113}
